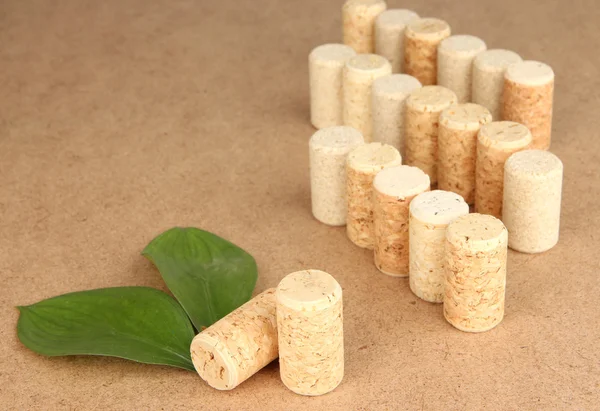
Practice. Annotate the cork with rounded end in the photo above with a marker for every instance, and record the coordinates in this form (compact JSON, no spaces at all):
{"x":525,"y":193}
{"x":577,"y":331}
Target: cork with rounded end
{"x":532,"y":199}
{"x":421,"y":120}
{"x":421,"y":40}
{"x":457,"y":148}
{"x":358,"y":18}
{"x":430,"y":214}
{"x":237,"y":346}
{"x":311,"y":336}
{"x":389,"y":35}
{"x":358,"y":76}
{"x":328,"y":152}
{"x":475,"y":286}
{"x":393,"y":190}
{"x":363,"y":164}
{"x":496,"y":142}
{"x":488,"y":78}
{"x":527,"y":99}
{"x":325,"y":66}
{"x":389,"y":96}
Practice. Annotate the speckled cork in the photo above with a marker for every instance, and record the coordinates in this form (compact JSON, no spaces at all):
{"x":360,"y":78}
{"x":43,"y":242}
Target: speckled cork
{"x":430,"y":214}
{"x":488,"y":78}
{"x":421,"y":40}
{"x":527,"y":99}
{"x":311,"y":335}
{"x":358,"y":18}
{"x":496,"y":142}
{"x":358,"y":76}
{"x":237,"y":346}
{"x":363,"y":164}
{"x":457,"y":148}
{"x":393,"y":190}
{"x":328,"y":152}
{"x":325,"y":67}
{"x":532,"y":200}
{"x":389,"y":35}
{"x":474,"y":291}
{"x":455,"y":64}
{"x":421,"y":124}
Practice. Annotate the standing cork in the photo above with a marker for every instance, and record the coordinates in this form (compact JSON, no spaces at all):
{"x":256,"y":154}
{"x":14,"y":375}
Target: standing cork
{"x":421,"y":39}
{"x":358,"y":18}
{"x":393,"y":190}
{"x":528,"y":94}
{"x":430,"y":214}
{"x":496,"y":142}
{"x":389,"y":35}
{"x":423,"y":108}
{"x":457,"y":148}
{"x":455,"y":64}
{"x":237,"y":346}
{"x":475,"y":272}
{"x":488,"y":78}
{"x":325,"y":66}
{"x":363,"y":164}
{"x":311,"y":336}
{"x":532,"y":197}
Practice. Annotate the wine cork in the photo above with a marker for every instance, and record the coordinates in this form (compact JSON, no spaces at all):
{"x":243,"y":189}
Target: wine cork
{"x":389,"y":96}
{"x":488,"y":78}
{"x":528,"y":94}
{"x":475,"y":283}
{"x":496,"y":142}
{"x":455,"y":64}
{"x":325,"y":66}
{"x":532,"y":197}
{"x":393,"y":190}
{"x":359,"y":74}
{"x":363,"y":164}
{"x":421,"y":40}
{"x":358,"y":17}
{"x":430,"y":214}
{"x":421,"y":121}
{"x":389,"y":35}
{"x":237,"y":346}
{"x":328,"y":152}
{"x":311,"y":336}
{"x":457,"y":148}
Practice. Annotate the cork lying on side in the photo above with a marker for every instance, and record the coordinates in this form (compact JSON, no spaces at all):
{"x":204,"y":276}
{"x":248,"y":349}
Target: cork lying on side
{"x":358,"y":18}
{"x":389,"y":35}
{"x":421,"y":40}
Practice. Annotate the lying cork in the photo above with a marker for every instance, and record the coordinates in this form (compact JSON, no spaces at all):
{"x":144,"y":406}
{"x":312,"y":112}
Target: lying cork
{"x":393,"y":190}
{"x":496,"y":142}
{"x":237,"y":346}
{"x":389,"y":35}
{"x":430,"y":214}
{"x":358,"y":17}
{"x":421,"y":40}
{"x":311,"y":336}
{"x":475,"y":284}
{"x":532,"y":197}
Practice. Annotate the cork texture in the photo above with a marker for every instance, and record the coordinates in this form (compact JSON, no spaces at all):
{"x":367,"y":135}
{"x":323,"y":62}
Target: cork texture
{"x":421,"y":39}
{"x":389,"y":36}
{"x":358,"y":19}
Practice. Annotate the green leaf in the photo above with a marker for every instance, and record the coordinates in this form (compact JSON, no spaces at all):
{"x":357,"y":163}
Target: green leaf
{"x":208,"y":275}
{"x":136,"y":323}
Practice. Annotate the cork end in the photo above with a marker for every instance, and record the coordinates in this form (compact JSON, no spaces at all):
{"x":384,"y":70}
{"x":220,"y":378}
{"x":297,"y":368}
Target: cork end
{"x":372,"y":157}
{"x":538,"y":163}
{"x":332,"y":53}
{"x":371,"y":63}
{"x":438,"y":207}
{"x":336,"y":139}
{"x":496,"y":59}
{"x":395,"y":85}
{"x":430,"y":29}
{"x":364,"y":3}
{"x":396,"y":18}
{"x":477,"y":232}
{"x":213,"y":364}
{"x":504,"y":135}
{"x":401,"y":181}
{"x":431,"y":99}
{"x":530,"y":73}
{"x":308,"y":290}
{"x":462,"y":44}
{"x":467,"y":116}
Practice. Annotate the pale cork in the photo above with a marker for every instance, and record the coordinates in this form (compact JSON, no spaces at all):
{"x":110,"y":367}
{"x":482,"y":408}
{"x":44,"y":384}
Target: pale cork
{"x":430,"y":214}
{"x":358,"y":19}
{"x":237,"y":346}
{"x":488,"y":78}
{"x":358,"y":76}
{"x":328,"y":152}
{"x":532,"y":200}
{"x":311,"y":335}
{"x":527,"y":99}
{"x":389,"y":35}
{"x":363,"y":164}
{"x":421,"y":124}
{"x":496,"y":142}
{"x":475,"y":286}
{"x":457,"y":148}
{"x":325,"y":67}
{"x":421,"y":40}
{"x":393,"y":190}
